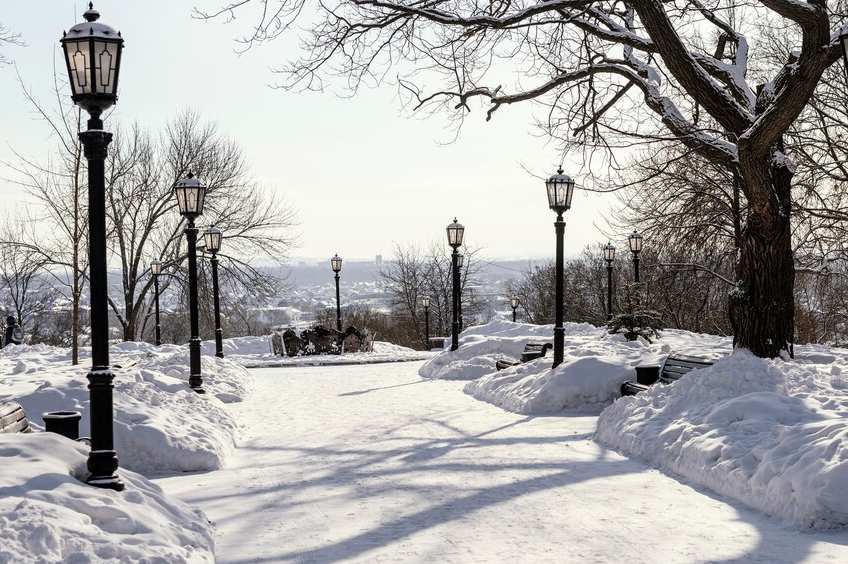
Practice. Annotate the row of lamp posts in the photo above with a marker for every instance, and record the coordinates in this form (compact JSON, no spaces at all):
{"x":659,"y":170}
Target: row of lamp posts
{"x":92,"y":52}
{"x":635,"y":242}
{"x":212,"y":238}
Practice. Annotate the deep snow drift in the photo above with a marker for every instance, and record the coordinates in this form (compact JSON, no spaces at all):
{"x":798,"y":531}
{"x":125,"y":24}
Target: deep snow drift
{"x":161,"y":425}
{"x":47,"y":513}
{"x":770,"y":433}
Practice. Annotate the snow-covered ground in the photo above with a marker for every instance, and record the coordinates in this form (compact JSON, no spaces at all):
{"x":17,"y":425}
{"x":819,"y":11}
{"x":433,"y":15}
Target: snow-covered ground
{"x":373,"y":463}
{"x":772,"y":434}
{"x":47,"y":513}
{"x":256,"y":352}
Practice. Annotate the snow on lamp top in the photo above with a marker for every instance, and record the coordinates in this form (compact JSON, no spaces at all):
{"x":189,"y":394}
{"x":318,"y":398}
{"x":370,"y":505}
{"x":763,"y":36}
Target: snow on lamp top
{"x":93,"y":57}
{"x":455,"y":234}
{"x":560,"y":189}
{"x":191,"y":195}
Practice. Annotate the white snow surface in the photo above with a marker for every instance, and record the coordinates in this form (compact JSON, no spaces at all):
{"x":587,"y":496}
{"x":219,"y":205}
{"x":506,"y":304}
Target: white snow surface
{"x":48,"y":515}
{"x":256,"y":352}
{"x":372,"y":464}
{"x":160,"y":423}
{"x":772,"y":434}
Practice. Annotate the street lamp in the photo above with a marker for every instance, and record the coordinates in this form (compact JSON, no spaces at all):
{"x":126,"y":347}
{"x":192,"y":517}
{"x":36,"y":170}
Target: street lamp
{"x":156,"y":270}
{"x":212,"y":241}
{"x":93,"y":57}
{"x":560,"y":189}
{"x":635,"y":240}
{"x":455,"y":234}
{"x":514,"y":303}
{"x":191,"y":195}
{"x":609,"y":256}
{"x":425,"y":301}
{"x":336,"y":264}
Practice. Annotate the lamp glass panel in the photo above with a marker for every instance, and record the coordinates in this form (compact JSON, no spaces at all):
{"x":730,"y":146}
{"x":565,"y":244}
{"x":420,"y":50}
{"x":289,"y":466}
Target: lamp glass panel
{"x":425,"y":302}
{"x":106,"y":58}
{"x":79,"y":67}
{"x":156,"y":267}
{"x":200,"y":199}
{"x":609,"y":253}
{"x":336,"y":263}
{"x":514,"y":303}
{"x":460,"y":260}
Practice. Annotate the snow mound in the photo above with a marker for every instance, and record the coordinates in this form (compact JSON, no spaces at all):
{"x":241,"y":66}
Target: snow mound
{"x":161,"y":425}
{"x":482,"y":345}
{"x":769,"y":433}
{"x":255,"y":352}
{"x":47,"y":514}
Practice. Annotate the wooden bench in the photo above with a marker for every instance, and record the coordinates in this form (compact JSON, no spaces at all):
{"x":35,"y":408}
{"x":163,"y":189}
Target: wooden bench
{"x":673,"y":368}
{"x":13,"y":419}
{"x":531,"y":351}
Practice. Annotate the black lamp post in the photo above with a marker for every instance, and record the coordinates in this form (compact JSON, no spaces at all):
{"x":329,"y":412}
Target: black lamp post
{"x":560,"y":190}
{"x":455,"y":234}
{"x":212,"y":240}
{"x":514,"y":303}
{"x":635,"y":240}
{"x":93,"y":57}
{"x":336,"y":264}
{"x":609,"y":256}
{"x":191,"y":195}
{"x":460,"y":260}
{"x":156,"y":270}
{"x":425,"y":301}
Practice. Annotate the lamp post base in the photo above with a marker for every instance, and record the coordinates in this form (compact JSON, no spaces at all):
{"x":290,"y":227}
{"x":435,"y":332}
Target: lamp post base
{"x":103,"y":464}
{"x":195,"y":382}
{"x":219,"y":342}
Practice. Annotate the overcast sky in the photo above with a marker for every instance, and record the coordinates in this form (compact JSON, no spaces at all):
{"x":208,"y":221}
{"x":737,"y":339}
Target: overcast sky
{"x":361,"y":173}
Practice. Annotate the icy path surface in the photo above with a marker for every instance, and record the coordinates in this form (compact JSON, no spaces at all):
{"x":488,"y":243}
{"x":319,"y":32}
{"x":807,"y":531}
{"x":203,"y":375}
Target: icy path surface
{"x":370,"y":464}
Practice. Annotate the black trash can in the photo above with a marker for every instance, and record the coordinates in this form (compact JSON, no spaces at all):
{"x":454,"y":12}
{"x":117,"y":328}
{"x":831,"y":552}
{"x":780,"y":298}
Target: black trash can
{"x":647,"y":374}
{"x":65,"y":423}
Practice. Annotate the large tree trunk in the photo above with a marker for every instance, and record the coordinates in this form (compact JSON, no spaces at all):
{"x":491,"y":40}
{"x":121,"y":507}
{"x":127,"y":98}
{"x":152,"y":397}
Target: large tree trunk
{"x":762,"y":307}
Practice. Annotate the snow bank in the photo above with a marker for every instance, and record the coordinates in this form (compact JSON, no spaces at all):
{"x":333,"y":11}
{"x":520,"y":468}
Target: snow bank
{"x":256,"y":352}
{"x":770,"y":433}
{"x":47,"y":514}
{"x":160,"y":424}
{"x":482,"y":345}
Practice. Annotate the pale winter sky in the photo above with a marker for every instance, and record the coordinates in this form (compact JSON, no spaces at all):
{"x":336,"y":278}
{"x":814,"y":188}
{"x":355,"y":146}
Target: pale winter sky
{"x":361,"y":172}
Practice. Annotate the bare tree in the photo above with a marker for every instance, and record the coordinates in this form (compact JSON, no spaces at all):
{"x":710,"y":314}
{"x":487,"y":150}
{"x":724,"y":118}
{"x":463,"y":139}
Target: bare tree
{"x":145,"y":222}
{"x":413,"y":274}
{"x":22,"y":273}
{"x":8,"y":37}
{"x":611,"y":74}
{"x":57,"y":186}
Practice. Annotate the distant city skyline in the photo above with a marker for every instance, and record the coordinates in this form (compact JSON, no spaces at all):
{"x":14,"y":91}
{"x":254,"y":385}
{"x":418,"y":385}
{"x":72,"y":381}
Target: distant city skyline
{"x":361,"y":175}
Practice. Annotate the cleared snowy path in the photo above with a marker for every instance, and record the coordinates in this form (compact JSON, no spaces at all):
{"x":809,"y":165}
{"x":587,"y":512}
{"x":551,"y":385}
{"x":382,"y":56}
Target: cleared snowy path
{"x":371,"y":464}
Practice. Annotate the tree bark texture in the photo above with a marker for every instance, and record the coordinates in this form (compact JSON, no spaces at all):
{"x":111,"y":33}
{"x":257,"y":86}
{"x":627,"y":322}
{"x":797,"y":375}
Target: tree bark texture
{"x":762,"y":307}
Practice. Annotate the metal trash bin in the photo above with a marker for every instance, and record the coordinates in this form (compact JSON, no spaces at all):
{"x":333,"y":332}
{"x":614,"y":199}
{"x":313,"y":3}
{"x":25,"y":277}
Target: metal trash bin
{"x":647,"y":374}
{"x":65,"y":423}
